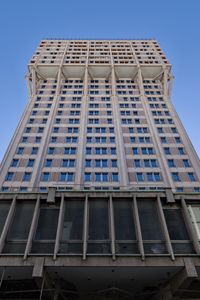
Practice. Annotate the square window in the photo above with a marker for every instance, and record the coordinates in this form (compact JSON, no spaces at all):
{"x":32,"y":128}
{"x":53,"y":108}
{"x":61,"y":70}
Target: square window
{"x":139,"y":177}
{"x":27,"y":176}
{"x":30,"y":162}
{"x":45,"y":176}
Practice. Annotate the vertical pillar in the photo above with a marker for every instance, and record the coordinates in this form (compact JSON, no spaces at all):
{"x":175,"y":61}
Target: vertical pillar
{"x":7,"y":223}
{"x":59,"y":227}
{"x":32,"y":228}
{"x":124,"y":181}
{"x":164,"y":228}
{"x":85,"y":227}
{"x":48,"y":128}
{"x":112,"y":227}
{"x":138,"y":228}
{"x":83,"y":130}
{"x":156,"y":141}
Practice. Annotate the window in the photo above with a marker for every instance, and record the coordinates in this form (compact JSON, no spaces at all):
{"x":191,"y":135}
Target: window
{"x":148,"y":151}
{"x":72,"y":229}
{"x":20,"y":150}
{"x":70,"y":150}
{"x":173,"y":130}
{"x":70,"y":163}
{"x":40,"y":129}
{"x":56,"y":129}
{"x":48,"y":162}
{"x":139,"y":177}
{"x":186,"y":163}
{"x":132,"y":139}
{"x":163,"y":140}
{"x":28,"y":129}
{"x":171,"y":163}
{"x":153,"y":176}
{"x":167,"y":151}
{"x":131,"y":130}
{"x":88,"y":163}
{"x":14,"y":162}
{"x":88,"y":150}
{"x":45,"y":176}
{"x":178,"y":140}
{"x":101,"y":177}
{"x":66,"y":176}
{"x":53,"y":139}
{"x":30,"y":162}
{"x":89,"y":129}
{"x":191,"y":177}
{"x":114,"y":163}
{"x":34,"y":150}
{"x":9,"y":176}
{"x":37,"y":139}
{"x":115,"y":177}
{"x":175,"y":177}
{"x":27,"y":176}
{"x":112,"y":139}
{"x":181,"y":151}
{"x":113,"y":151}
{"x":87,"y":177}
{"x":135,"y":151}
{"x":101,"y":151}
{"x":24,"y":139}
{"x":71,"y":140}
{"x":51,"y":150}
{"x":101,"y":163}
{"x":137,"y":163}
{"x":150,"y":163}
{"x":160,"y":130}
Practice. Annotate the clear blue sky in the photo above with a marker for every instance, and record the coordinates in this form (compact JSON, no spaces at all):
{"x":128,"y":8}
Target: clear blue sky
{"x":174,"y":23}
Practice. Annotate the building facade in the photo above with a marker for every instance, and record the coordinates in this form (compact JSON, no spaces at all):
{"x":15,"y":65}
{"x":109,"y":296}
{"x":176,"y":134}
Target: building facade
{"x":100,"y":185}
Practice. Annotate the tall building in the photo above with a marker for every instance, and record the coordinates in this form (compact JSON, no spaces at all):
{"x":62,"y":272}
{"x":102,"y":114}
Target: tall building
{"x":100,"y":185}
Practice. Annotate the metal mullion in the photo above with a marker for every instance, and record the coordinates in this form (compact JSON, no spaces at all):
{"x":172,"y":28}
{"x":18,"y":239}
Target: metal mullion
{"x":32,"y":228}
{"x":59,"y":226}
{"x":7,"y":223}
{"x":85,"y":227}
{"x":137,"y":227}
{"x":112,"y":227}
{"x":164,"y":227}
{"x":188,"y":222}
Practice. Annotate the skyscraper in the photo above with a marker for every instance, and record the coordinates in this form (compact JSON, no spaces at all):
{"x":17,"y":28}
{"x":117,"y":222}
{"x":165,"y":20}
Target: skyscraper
{"x":100,"y":172}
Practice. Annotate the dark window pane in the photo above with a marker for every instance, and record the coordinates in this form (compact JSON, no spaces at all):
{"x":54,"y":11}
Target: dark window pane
{"x":183,"y":248}
{"x":98,"y":220}
{"x":175,"y":223}
{"x":38,"y":247}
{"x":4,"y":207}
{"x":73,"y":220}
{"x":124,"y":223}
{"x":14,"y":248}
{"x":47,"y":224}
{"x":21,"y":223}
{"x":99,"y":248}
{"x":155,"y":248}
{"x":126,"y":248}
{"x":149,"y":221}
{"x":71,"y":248}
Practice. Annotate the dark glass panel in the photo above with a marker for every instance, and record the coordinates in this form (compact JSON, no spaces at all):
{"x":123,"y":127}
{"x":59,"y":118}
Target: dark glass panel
{"x":4,"y":207}
{"x":73,"y":220}
{"x":98,"y":248}
{"x":124,"y":222}
{"x":149,"y":220}
{"x":175,"y":223}
{"x":98,"y":220}
{"x":47,"y":224}
{"x":21,"y":223}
